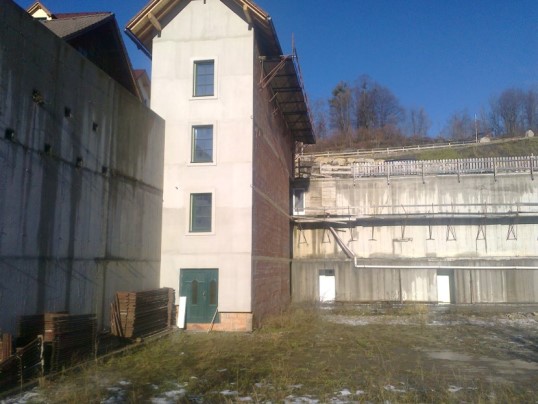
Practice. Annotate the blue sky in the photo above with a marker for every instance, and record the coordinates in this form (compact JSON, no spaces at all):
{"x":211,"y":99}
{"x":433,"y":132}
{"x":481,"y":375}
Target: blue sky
{"x":445,"y":56}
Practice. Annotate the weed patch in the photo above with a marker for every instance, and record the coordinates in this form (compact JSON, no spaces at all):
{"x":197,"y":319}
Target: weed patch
{"x":305,"y":354}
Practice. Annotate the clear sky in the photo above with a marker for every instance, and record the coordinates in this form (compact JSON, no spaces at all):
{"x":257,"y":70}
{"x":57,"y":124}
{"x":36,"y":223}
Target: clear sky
{"x":445,"y":56}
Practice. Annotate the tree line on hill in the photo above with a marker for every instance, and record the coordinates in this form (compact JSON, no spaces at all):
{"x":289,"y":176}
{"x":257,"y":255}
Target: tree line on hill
{"x":365,"y":114}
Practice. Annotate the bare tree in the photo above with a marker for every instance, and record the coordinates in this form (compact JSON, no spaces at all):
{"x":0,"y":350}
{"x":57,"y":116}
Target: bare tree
{"x":387,"y":107}
{"x":341,"y":106}
{"x":460,"y":126}
{"x":530,"y":109}
{"x":419,"y":123}
{"x":364,"y":112}
{"x":507,"y":110}
{"x":376,"y":105}
{"x":495,"y":121}
{"x":320,"y":118}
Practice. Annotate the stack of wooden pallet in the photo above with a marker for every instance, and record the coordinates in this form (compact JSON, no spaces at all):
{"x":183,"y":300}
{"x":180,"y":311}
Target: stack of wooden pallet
{"x":29,"y":328}
{"x":139,"y":314}
{"x":6,"y":347}
{"x":67,"y":338}
{"x":71,"y":338}
{"x":24,"y":366}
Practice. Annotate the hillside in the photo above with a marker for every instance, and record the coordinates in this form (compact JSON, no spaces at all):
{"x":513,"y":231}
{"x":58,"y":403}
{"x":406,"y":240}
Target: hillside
{"x":496,"y":148}
{"x":501,"y":148}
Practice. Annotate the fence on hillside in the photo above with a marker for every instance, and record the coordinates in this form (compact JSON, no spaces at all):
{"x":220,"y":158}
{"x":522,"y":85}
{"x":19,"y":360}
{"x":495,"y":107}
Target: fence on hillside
{"x":395,"y":150}
{"x":489,"y":165}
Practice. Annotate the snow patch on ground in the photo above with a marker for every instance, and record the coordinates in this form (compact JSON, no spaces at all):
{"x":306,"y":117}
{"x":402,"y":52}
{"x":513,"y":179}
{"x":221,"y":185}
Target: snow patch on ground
{"x":229,"y":393}
{"x":169,"y":397}
{"x":31,"y":396}
{"x":300,"y":400}
{"x":391,"y":388}
{"x":454,"y":389}
{"x":524,"y":320}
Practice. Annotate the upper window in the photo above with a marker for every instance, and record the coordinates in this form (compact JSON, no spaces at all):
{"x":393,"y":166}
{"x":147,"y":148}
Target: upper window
{"x":201,"y":211}
{"x":204,"y":78}
{"x":202,"y":144}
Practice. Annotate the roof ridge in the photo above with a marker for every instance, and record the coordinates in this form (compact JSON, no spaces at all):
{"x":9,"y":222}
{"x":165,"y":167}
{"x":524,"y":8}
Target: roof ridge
{"x":61,"y":16}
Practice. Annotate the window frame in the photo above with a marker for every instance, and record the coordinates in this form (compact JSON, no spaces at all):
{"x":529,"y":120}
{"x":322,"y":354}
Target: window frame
{"x":195,"y":230}
{"x":195,"y":64}
{"x":192,"y":160}
{"x":295,"y":199}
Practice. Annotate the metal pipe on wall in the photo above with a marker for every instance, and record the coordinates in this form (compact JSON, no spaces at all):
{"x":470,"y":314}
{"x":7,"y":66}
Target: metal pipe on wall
{"x":509,"y":267}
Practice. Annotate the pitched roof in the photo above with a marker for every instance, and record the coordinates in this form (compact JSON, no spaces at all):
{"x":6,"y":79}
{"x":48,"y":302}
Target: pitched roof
{"x":37,"y":6}
{"x":286,"y":83}
{"x":67,"y":26}
{"x":145,"y":25}
{"x":97,"y":36}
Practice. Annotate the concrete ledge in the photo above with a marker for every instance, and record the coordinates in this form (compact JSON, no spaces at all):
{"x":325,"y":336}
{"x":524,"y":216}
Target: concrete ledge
{"x":239,"y":322}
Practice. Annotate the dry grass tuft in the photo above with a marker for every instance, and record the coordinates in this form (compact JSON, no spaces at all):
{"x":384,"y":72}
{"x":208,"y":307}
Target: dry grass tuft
{"x":301,"y":353}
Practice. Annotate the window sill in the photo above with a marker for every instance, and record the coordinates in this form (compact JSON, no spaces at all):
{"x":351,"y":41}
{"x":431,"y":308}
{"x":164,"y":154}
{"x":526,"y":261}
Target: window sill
{"x":198,"y":234}
{"x":205,"y":97}
{"x":191,"y":164}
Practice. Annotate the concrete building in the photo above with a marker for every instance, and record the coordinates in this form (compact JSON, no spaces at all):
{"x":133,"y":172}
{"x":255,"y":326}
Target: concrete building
{"x":234,"y":108}
{"x":455,"y":231}
{"x":80,"y":176}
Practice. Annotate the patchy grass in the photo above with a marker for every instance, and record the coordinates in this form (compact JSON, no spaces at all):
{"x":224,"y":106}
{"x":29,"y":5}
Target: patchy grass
{"x":364,"y":353}
{"x":511,"y":147}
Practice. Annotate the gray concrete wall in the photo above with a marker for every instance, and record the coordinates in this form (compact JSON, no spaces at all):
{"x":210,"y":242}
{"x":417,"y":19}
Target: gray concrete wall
{"x":417,"y":285}
{"x":381,"y":234}
{"x":372,"y":198}
{"x":80,"y":192}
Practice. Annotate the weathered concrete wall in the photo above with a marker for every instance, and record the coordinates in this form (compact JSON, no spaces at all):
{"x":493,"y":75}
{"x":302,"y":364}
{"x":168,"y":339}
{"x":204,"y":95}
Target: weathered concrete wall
{"x":80,"y":179}
{"x":273,"y":171}
{"x":363,"y":285}
{"x":382,"y":234}
{"x":373,"y":198}
{"x":417,"y":285}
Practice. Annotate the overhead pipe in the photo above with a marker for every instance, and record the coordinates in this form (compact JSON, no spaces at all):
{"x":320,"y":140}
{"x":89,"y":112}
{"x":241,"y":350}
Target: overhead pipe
{"x":351,"y":254}
{"x":509,"y":267}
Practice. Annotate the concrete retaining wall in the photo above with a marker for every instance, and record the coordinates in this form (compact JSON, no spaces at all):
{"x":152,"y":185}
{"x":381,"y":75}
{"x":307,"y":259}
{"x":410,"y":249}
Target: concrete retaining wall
{"x":442,"y":220}
{"x":80,"y":179}
{"x":417,"y":285}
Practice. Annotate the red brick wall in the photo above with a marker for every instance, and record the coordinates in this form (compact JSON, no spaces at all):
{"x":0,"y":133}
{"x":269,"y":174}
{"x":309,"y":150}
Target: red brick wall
{"x":272,"y":171}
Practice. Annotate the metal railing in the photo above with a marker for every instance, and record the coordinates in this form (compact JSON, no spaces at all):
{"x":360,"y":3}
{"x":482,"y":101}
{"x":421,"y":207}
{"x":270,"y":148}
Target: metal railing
{"x":389,"y":150}
{"x":493,"y":165}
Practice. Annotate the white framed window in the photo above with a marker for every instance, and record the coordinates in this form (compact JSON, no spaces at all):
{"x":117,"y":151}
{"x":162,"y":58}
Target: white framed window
{"x":202,"y":149}
{"x":204,"y":78}
{"x":201,"y":213}
{"x":298,"y":201}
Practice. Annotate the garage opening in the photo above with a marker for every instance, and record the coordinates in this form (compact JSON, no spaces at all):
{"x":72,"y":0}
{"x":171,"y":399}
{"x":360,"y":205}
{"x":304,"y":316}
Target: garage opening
{"x":327,"y":285}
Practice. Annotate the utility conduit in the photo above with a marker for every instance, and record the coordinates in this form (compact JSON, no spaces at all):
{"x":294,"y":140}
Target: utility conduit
{"x":508,"y":267}
{"x":350,"y":254}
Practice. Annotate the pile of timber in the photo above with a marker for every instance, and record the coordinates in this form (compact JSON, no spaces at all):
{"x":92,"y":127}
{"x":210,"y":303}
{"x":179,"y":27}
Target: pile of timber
{"x":6,"y":346}
{"x":71,"y":338}
{"x":139,"y":314}
{"x":25,"y":365}
{"x":67,"y":338}
{"x":29,"y":328}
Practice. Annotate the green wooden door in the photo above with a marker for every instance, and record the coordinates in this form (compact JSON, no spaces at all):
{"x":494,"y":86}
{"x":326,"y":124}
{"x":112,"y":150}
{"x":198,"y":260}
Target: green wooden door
{"x":201,"y":287}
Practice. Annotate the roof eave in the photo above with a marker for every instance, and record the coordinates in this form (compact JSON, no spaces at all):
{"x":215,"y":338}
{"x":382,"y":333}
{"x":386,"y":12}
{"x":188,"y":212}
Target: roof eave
{"x":142,"y":31}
